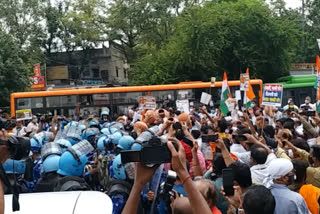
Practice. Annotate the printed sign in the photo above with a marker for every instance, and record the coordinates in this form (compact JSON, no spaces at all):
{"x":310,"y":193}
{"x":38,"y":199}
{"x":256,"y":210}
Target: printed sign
{"x":244,"y":82}
{"x":272,"y":95}
{"x":205,"y":98}
{"x":38,"y":83}
{"x":183,"y":106}
{"x":147,"y":102}
{"x":25,"y":114}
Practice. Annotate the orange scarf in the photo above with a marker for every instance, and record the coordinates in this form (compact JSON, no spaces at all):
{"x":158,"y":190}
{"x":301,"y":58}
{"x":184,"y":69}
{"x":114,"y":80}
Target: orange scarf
{"x":311,"y":195}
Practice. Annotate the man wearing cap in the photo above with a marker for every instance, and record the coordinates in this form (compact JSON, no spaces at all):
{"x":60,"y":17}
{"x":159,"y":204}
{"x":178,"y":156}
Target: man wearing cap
{"x":281,"y":175}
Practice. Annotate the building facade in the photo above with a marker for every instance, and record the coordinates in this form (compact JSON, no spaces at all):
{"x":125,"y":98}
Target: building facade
{"x":103,"y":66}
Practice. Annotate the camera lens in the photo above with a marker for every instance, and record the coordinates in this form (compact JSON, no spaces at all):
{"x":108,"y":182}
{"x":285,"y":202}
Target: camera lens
{"x":19,"y":147}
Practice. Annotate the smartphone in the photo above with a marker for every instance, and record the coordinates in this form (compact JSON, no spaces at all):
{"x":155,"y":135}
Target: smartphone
{"x":227,"y":177}
{"x":209,"y":138}
{"x":188,"y":141}
{"x":310,"y":113}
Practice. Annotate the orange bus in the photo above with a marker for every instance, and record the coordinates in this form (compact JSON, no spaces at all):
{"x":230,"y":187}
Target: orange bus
{"x":117,"y":99}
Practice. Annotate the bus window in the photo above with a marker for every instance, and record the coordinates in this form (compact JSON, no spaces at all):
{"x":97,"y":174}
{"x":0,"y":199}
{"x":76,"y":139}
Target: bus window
{"x":86,"y":100}
{"x":161,"y":96}
{"x":101,"y":99}
{"x":68,"y":101}
{"x":127,"y":97}
{"x":23,"y":103}
{"x":186,"y":94}
{"x":37,"y":102}
{"x":53,"y":102}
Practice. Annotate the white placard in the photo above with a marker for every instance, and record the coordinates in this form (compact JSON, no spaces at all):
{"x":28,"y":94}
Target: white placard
{"x":205,"y":98}
{"x":183,"y":106}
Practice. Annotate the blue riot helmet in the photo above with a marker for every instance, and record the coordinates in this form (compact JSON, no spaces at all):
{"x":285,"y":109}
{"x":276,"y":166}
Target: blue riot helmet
{"x":105,"y":131}
{"x":116,"y":125}
{"x":94,"y":124}
{"x":82,"y":127}
{"x":43,"y":137}
{"x":14,"y":166}
{"x":104,"y":113}
{"x":125,"y":142}
{"x":72,"y":162}
{"x":105,"y":143}
{"x":116,"y":137}
{"x":50,"y":154}
{"x":51,"y":163}
{"x":35,"y":145}
{"x":118,"y":169}
{"x":91,"y":134}
{"x":136,"y":147}
{"x":64,"y":144}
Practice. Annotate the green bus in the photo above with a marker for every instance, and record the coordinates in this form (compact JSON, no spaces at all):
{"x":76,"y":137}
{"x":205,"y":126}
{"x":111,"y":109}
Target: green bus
{"x":298,"y":87}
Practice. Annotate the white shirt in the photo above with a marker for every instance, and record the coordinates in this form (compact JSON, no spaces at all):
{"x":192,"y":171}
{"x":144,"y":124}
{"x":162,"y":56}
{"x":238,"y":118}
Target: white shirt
{"x":259,"y":172}
{"x":33,"y":128}
{"x":19,"y":133}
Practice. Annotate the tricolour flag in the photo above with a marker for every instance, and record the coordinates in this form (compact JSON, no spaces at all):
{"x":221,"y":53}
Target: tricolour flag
{"x":318,"y":87}
{"x":249,"y":95}
{"x":225,"y":94}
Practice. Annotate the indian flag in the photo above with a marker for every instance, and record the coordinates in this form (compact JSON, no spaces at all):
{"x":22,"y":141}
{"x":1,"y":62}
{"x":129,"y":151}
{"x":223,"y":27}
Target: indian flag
{"x":318,"y":87}
{"x":249,"y":95}
{"x":225,"y":94}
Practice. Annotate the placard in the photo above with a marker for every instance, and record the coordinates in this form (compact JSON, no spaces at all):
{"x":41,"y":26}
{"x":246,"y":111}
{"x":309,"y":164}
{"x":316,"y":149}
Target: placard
{"x":147,"y":102}
{"x":183,"y":106}
{"x":244,"y":82}
{"x":205,"y":98}
{"x":272,"y":95}
{"x":25,"y":114}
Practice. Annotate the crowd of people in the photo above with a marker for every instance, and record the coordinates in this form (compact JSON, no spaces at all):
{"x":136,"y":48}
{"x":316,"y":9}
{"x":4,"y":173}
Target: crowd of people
{"x":260,"y":159}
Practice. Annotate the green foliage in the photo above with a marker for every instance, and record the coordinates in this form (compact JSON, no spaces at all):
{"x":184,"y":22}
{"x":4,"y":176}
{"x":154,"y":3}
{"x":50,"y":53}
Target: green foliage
{"x":14,"y":73}
{"x":215,"y":37}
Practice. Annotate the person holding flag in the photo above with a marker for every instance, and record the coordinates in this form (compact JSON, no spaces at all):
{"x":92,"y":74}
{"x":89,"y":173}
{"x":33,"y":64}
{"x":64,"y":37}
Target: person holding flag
{"x":249,"y":94}
{"x":225,"y":95}
{"x":318,"y":84}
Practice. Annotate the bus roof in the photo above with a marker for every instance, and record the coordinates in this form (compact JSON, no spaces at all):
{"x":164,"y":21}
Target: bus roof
{"x":73,"y":91}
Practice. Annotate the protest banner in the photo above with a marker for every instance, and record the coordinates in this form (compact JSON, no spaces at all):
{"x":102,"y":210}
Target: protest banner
{"x":147,"y":102}
{"x":25,"y":114}
{"x":244,"y":82}
{"x":183,"y":106}
{"x":272,"y":95}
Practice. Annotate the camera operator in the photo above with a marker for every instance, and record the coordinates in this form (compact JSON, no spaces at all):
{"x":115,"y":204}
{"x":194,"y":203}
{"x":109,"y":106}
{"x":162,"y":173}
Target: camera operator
{"x":143,"y":174}
{"x":4,"y":155}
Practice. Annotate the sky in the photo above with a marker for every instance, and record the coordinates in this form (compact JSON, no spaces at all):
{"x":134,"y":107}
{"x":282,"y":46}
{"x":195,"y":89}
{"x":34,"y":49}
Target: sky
{"x":293,"y":3}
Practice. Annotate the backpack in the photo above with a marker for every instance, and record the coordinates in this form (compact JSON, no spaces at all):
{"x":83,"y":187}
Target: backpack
{"x":71,"y":183}
{"x":103,"y":164}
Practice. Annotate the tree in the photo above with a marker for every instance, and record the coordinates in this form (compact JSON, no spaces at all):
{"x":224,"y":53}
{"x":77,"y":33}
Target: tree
{"x":142,"y":25}
{"x":14,"y":72}
{"x":222,"y":36}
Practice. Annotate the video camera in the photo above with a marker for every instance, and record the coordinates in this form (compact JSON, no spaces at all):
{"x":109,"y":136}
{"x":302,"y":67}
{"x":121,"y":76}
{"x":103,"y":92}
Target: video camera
{"x":153,"y":151}
{"x":18,"y":147}
{"x":6,"y":124}
{"x":165,"y":190}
